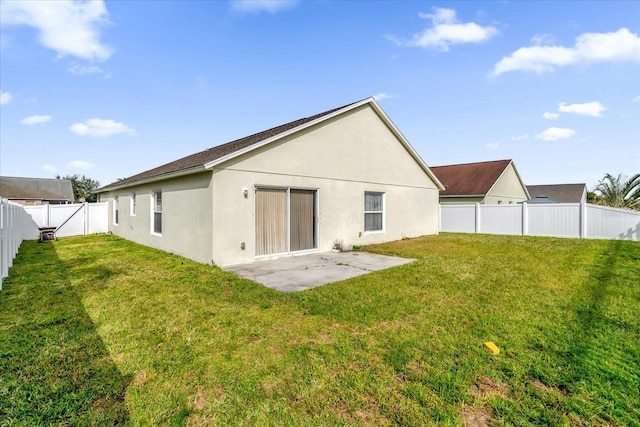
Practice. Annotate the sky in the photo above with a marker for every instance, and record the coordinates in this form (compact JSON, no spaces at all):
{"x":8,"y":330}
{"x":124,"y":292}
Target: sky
{"x":111,"y":89}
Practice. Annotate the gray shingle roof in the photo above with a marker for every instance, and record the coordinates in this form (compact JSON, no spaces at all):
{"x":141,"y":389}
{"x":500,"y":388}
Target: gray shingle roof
{"x":564,"y":193}
{"x":19,"y":188}
{"x":210,"y":154}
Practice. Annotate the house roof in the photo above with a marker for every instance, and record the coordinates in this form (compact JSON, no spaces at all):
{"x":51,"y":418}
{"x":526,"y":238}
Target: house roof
{"x":542,"y":199}
{"x":18,"y":188}
{"x":564,"y":193}
{"x":470,"y":179}
{"x":211,"y":157}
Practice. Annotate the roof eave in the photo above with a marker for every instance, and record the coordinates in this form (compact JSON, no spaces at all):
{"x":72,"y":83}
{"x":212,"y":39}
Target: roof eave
{"x":151,"y":179}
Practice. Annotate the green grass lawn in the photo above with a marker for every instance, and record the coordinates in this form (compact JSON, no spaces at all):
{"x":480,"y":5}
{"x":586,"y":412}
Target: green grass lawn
{"x":97,"y":330}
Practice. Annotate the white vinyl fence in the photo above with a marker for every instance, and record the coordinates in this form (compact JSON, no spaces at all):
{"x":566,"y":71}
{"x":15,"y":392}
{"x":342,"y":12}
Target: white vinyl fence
{"x":72,"y":220}
{"x":577,"y":220}
{"x":15,"y":226}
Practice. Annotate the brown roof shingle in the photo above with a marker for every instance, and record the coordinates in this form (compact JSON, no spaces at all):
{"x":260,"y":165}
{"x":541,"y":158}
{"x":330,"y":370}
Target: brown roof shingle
{"x":469,"y":179}
{"x":210,"y":154}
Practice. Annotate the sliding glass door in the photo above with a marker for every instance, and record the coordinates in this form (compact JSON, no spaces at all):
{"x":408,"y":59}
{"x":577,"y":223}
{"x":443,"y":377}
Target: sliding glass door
{"x":285,"y":220}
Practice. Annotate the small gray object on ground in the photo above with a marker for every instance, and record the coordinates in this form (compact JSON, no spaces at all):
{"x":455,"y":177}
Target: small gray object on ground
{"x":301,"y":272}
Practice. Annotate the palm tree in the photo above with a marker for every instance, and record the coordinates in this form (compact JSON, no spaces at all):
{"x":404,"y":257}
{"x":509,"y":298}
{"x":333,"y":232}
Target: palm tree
{"x":615,"y":192}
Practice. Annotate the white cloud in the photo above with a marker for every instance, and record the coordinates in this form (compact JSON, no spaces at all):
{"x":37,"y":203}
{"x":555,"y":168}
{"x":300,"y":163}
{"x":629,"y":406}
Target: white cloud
{"x":48,"y":168}
{"x":68,"y":27}
{"x":34,"y":120}
{"x":446,"y":30}
{"x":82,"y":70}
{"x":543,"y":39}
{"x":554,"y":134}
{"x":622,"y":45}
{"x":80,"y":165}
{"x":492,"y":146}
{"x":520,"y":137}
{"x":101,"y":128}
{"x":636,"y":99}
{"x":271,"y":6}
{"x":593,"y":109}
{"x":550,"y":116}
{"x":5,"y":98}
{"x":382,"y":96}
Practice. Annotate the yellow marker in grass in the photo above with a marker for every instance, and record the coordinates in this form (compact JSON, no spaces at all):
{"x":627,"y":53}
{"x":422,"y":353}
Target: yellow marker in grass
{"x":492,"y":347}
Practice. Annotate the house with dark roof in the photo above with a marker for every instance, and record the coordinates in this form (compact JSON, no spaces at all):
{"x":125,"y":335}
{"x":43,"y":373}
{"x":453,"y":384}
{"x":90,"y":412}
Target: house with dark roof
{"x":493,"y":182}
{"x":343,"y":177}
{"x":561,"y":193}
{"x":36,"y":191}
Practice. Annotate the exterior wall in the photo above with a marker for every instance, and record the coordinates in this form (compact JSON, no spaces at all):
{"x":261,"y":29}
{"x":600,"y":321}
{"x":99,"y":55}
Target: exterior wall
{"x":186,"y":215}
{"x":341,"y":158}
{"x":507,"y":189}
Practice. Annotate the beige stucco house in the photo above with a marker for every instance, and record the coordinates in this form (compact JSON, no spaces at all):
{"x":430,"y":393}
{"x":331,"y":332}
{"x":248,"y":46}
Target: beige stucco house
{"x":493,"y":182}
{"x":340,"y":178}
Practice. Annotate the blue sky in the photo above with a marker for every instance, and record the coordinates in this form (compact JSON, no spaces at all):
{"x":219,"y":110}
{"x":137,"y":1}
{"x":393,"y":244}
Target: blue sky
{"x":112,"y":89}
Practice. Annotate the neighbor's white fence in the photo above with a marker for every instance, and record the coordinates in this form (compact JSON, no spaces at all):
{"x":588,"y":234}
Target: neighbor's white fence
{"x":554,"y":219}
{"x":72,"y":220}
{"x":16,"y":225}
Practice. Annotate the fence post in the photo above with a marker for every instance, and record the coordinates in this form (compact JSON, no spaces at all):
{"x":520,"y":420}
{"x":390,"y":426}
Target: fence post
{"x":525,"y":219}
{"x":583,"y":220}
{"x":478,"y":218}
{"x":85,"y":210}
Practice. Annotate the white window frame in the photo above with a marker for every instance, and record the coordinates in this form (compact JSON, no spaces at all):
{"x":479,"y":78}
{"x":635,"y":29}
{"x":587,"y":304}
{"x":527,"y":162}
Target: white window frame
{"x":152,"y":212}
{"x":116,"y":210}
{"x":132,"y":204}
{"x":383,"y":212}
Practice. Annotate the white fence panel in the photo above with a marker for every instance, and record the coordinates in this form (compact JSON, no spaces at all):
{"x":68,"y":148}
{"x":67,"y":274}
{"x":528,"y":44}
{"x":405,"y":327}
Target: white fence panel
{"x":501,"y":219}
{"x":69,"y":219}
{"x":73,"y":220}
{"x":609,"y":223}
{"x":97,"y":218}
{"x":40,"y":214}
{"x":458,"y":218}
{"x":16,"y":225}
{"x":559,"y":220}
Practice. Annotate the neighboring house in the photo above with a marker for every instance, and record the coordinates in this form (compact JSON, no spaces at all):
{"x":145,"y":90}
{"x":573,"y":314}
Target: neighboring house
{"x":495,"y":182}
{"x":561,"y":193}
{"x":36,"y":191}
{"x":340,"y":178}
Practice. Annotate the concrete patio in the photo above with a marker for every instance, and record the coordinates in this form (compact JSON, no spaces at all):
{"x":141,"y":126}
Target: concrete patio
{"x":301,"y":272}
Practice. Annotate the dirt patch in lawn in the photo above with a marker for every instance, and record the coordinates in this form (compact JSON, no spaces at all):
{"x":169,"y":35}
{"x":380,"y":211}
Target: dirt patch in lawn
{"x":475,"y":417}
{"x":487,"y":387}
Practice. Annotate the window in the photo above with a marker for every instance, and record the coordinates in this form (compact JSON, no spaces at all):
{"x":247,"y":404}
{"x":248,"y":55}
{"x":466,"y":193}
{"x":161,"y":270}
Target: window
{"x":132,"y":208}
{"x":156,"y":211}
{"x":373,"y":211}
{"x":115,"y":210}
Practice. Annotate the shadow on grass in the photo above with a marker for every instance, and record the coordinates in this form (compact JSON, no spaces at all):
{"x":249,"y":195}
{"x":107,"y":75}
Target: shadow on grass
{"x":54,"y":367}
{"x":603,"y":354}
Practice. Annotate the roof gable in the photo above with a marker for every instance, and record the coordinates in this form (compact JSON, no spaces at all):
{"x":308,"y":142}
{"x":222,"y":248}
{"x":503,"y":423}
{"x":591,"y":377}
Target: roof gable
{"x":470,"y":179}
{"x":565,"y":193}
{"x":35,"y":188}
{"x":211,"y":157}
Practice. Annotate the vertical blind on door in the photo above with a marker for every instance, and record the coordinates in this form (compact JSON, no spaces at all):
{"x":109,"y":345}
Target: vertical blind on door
{"x":271,"y":221}
{"x":302,"y":219}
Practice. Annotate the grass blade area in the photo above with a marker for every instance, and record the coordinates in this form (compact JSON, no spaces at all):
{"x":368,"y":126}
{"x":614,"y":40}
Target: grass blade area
{"x":97,"y":330}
